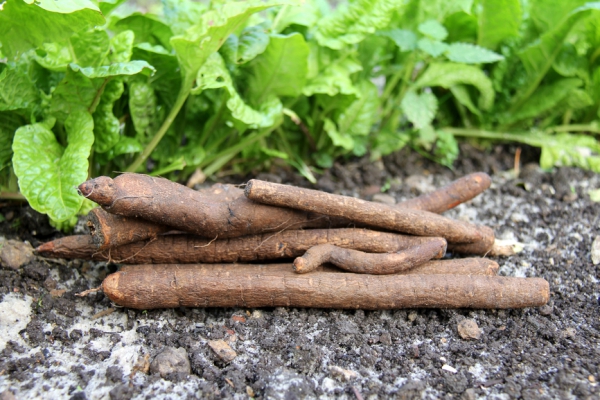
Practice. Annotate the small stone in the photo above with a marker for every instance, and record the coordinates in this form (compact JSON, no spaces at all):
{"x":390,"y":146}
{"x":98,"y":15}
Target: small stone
{"x":468,"y":329}
{"x":448,"y":368}
{"x":171,"y":360}
{"x":469,"y":394}
{"x":596,"y":250}
{"x":412,"y":316}
{"x":384,"y":199}
{"x":250,"y":391}
{"x":14,"y":254}
{"x":238,"y":318}
{"x":569,"y":333}
{"x":57,"y":292}
{"x":7,"y":395}
{"x":344,"y":374}
{"x":546,"y":309}
{"x":592,"y":379}
{"x":385,"y":338}
{"x":569,"y":198}
{"x":223,"y":350}
{"x":50,"y":283}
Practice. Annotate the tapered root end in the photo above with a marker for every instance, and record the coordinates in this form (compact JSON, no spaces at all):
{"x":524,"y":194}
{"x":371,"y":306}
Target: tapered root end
{"x":110,"y":287}
{"x":492,"y":267}
{"x":101,"y":190}
{"x":248,"y":189}
{"x":44,"y":249}
{"x":300,"y":265}
{"x":482,"y":179}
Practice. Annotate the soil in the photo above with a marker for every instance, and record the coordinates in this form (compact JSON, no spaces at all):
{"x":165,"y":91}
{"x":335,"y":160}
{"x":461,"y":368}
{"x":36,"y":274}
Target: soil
{"x":56,"y":345}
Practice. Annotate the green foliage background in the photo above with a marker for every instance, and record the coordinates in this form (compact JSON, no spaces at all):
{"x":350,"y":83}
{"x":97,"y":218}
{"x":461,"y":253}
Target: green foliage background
{"x":90,"y":88}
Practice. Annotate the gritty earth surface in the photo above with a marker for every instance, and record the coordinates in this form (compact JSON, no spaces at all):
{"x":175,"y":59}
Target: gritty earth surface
{"x":56,"y":345}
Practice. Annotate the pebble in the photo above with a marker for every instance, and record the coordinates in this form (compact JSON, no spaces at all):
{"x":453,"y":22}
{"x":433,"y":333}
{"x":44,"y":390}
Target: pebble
{"x":14,"y":253}
{"x":223,"y":350}
{"x":596,"y":250}
{"x":384,"y":199}
{"x":448,"y":368}
{"x":344,"y":374}
{"x":468,"y":329}
{"x":171,"y":360}
{"x":546,"y":309}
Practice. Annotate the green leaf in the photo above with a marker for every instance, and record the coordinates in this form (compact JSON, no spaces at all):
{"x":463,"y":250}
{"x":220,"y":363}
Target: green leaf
{"x":107,"y":6}
{"x":48,"y":173}
{"x":54,"y":56}
{"x":281,"y":70}
{"x":471,"y":54}
{"x":446,"y":148}
{"x":305,"y":14}
{"x":433,"y":29}
{"x":214,"y":75}
{"x":461,"y":94}
{"x":147,"y":28}
{"x":406,"y":40}
{"x":90,"y":48}
{"x":334,"y":79}
{"x":25,"y":26}
{"x":539,"y":57}
{"x":440,"y":9}
{"x":352,"y":22}
{"x":16,"y":90}
{"x":252,"y":42}
{"x":167,"y":79}
{"x":498,"y":20}
{"x":570,"y":150}
{"x":547,"y":14}
{"x":420,"y":109}
{"x":447,"y":75}
{"x":9,"y":123}
{"x":360,"y":116}
{"x":106,"y":125}
{"x":434,"y":48}
{"x":117,"y":69}
{"x":569,"y":64}
{"x":121,"y":47}
{"x":205,"y":37}
{"x":142,"y":108}
{"x":544,"y":99}
{"x":182,"y":14}
{"x":339,"y":139}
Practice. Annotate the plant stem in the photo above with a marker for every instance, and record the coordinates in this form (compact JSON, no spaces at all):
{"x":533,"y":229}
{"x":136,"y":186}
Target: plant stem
{"x":592,"y":128}
{"x":181,"y":98}
{"x":12,"y":196}
{"x":98,"y":96}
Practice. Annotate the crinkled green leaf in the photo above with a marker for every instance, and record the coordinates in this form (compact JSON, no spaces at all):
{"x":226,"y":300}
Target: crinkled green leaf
{"x":330,"y":75}
{"x":544,"y":99}
{"x":471,"y":54}
{"x":251,"y":42}
{"x":147,"y":28}
{"x":142,"y":108}
{"x":359,"y":117}
{"x":182,"y":14}
{"x":106,"y":125}
{"x":433,"y":29}
{"x":351,"y":22}
{"x":54,"y":56}
{"x":440,"y":9}
{"x":48,"y":173}
{"x":25,"y":26}
{"x":121,"y":47}
{"x":205,"y":37}
{"x":339,"y":139}
{"x":9,"y":123}
{"x":498,"y":20}
{"x":449,"y":74}
{"x":16,"y":90}
{"x":569,"y":64}
{"x":576,"y":99}
{"x":434,"y":48}
{"x":461,"y":94}
{"x":117,"y":69}
{"x":214,"y":75}
{"x":420,"y":109}
{"x":406,"y":40}
{"x":280,"y":70}
{"x":90,"y":48}
{"x":75,"y":92}
{"x":167,"y":78}
{"x":570,"y":150}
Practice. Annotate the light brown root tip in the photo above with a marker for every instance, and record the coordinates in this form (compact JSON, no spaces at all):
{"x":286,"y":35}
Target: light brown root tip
{"x":300,"y":265}
{"x":45,"y":248}
{"x":86,"y":292}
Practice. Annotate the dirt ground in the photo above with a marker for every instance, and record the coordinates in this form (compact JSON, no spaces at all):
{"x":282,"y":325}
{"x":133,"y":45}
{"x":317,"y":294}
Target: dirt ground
{"x":56,"y":345}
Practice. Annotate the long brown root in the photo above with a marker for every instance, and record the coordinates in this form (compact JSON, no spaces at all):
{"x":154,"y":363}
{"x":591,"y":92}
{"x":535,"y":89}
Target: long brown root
{"x":170,"y":286}
{"x":369,"y":263}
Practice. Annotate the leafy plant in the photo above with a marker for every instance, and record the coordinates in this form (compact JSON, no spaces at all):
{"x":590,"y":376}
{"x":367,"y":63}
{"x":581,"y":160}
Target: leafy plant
{"x":89,"y":88}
